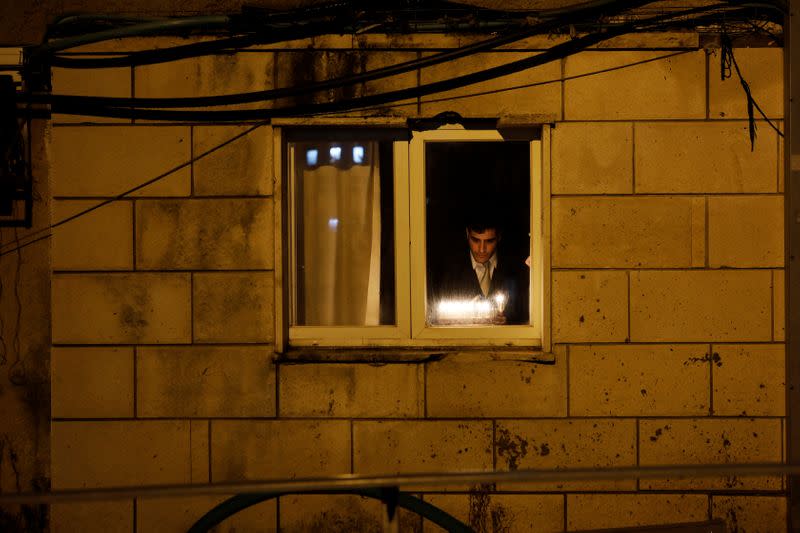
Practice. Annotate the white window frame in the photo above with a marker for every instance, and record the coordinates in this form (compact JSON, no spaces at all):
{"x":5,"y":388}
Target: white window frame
{"x":411,"y":329}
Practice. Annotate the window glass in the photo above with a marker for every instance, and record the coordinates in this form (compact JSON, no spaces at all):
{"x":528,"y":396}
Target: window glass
{"x":342,"y":251}
{"x":477,"y":197}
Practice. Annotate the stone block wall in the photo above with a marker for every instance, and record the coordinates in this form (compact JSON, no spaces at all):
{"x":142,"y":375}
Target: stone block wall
{"x":666,"y":304}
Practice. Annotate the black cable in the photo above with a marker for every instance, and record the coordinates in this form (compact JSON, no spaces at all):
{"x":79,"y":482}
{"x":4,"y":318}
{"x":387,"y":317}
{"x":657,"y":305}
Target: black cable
{"x":556,"y":52}
{"x":728,"y":59}
{"x":164,"y":55}
{"x":392,"y":70}
{"x":126,"y":193}
{"x":528,"y":85}
{"x":582,"y":75}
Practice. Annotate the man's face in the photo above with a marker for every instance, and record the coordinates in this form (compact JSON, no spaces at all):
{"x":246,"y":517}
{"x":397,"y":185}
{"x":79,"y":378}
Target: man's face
{"x":482,"y":245}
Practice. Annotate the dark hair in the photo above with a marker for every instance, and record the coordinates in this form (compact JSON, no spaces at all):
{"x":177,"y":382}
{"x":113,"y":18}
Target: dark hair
{"x":482,"y":218}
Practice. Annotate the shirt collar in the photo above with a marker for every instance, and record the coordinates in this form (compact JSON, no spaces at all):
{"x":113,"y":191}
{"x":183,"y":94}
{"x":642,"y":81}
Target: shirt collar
{"x":492,"y":262}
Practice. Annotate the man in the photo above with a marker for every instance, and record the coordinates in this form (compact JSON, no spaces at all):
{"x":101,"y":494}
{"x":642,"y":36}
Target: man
{"x":482,"y":286}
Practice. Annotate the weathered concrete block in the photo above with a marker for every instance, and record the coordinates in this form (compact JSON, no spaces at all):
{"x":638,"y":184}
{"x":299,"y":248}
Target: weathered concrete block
{"x":590,"y":306}
{"x":243,"y":167}
{"x":559,"y":444}
{"x":347,"y":512}
{"x":654,"y":40}
{"x":779,"y":305}
{"x":592,"y":158}
{"x":710,"y":441}
{"x":745,"y":231}
{"x":749,"y":379}
{"x":107,"y":161}
{"x":114,"y":82}
{"x":351,"y":390}
{"x":601,"y":511}
{"x":539,"y":100}
{"x":119,"y":453}
{"x":177,"y":515}
{"x":762,"y":69}
{"x":279,"y":449}
{"x":99,"y":240}
{"x":421,"y":446}
{"x":295,"y":67}
{"x":233,"y":307}
{"x":121,"y":308}
{"x":624,"y":231}
{"x":750,"y":513}
{"x":199,"y":437}
{"x":495,"y":388}
{"x":204,"y":234}
{"x":702,"y":157}
{"x":668,"y":88}
{"x":374,"y":60}
{"x":710,"y":305}
{"x":205,"y":381}
{"x":639,"y":380}
{"x":209,"y":75}
{"x":484,"y":511}
{"x":91,"y":382}
{"x":92,"y":517}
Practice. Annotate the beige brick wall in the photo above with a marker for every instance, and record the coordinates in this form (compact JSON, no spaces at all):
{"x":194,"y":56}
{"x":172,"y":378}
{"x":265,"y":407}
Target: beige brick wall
{"x":706,"y":157}
{"x":639,"y":380}
{"x":487,"y":389}
{"x":630,"y":510}
{"x":120,"y":453}
{"x":571,"y":443}
{"x":666,"y":303}
{"x":675,"y":87}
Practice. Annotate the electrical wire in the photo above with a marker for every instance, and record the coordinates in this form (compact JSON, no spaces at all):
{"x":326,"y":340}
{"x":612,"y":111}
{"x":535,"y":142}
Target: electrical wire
{"x":526,"y":85}
{"x":727,"y":59}
{"x":204,"y":154}
{"x":146,"y":28}
{"x":556,"y":52}
{"x":335,"y":83}
{"x":175,"y":53}
{"x":288,"y":27}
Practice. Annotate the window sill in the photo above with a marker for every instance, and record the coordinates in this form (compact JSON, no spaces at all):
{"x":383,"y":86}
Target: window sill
{"x":306,"y":355}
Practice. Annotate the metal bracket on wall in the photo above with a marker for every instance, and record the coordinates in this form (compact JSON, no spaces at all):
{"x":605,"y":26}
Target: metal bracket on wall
{"x":16,"y":190}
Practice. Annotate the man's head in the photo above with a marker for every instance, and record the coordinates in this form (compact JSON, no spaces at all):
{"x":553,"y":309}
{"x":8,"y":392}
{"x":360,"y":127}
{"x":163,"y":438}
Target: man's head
{"x":482,"y":242}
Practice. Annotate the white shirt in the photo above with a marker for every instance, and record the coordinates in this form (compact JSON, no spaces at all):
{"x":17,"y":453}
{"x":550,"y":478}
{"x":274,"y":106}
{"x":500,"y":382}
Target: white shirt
{"x":491,"y":264}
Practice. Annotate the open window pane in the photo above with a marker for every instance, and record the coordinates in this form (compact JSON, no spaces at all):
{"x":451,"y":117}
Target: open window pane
{"x":477,"y":233}
{"x":343,"y":232}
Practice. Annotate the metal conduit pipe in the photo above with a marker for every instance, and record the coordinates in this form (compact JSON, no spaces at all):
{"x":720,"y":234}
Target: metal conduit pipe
{"x":356,"y":481}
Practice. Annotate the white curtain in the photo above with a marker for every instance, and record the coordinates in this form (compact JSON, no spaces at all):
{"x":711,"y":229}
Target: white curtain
{"x":341,"y":241}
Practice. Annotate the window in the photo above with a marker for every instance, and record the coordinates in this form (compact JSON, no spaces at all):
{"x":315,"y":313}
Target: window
{"x":413,"y":238}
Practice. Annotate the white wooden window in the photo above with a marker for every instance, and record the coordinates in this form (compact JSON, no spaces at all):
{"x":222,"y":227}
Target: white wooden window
{"x":375,"y":237}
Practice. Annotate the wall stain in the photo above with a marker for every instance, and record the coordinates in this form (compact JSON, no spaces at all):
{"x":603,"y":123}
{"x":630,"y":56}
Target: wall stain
{"x":21,"y":518}
{"x":544,"y":449}
{"x":485,"y":516}
{"x":511,"y":447}
{"x":713,"y":357}
{"x":733,"y":520}
{"x":659,"y":432}
{"x":336,"y":522}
